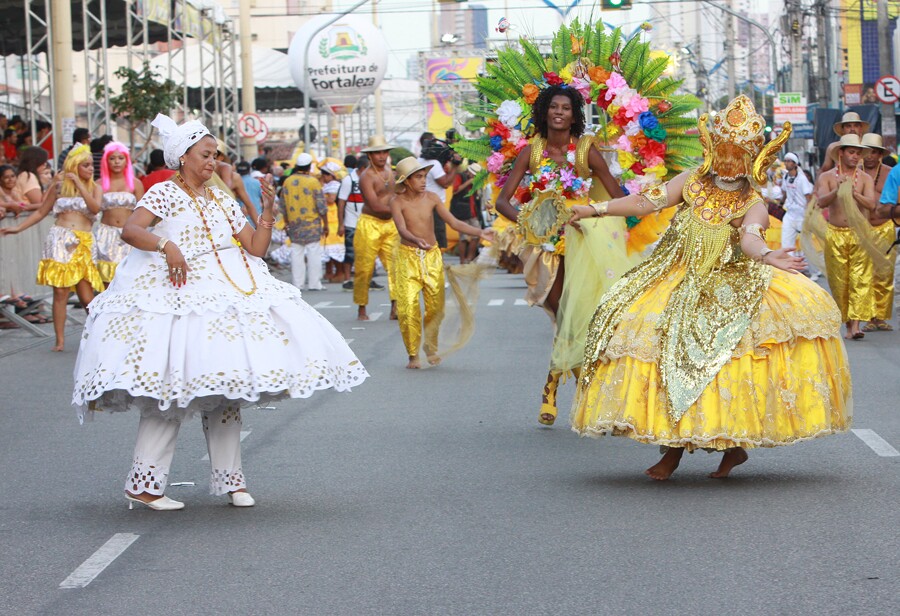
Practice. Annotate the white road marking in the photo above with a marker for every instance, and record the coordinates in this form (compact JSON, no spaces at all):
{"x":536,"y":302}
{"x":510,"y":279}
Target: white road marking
{"x":373,"y":316}
{"x":244,"y":434}
{"x":384,"y":305}
{"x":357,"y":328}
{"x":349,"y":340}
{"x":495,"y":302}
{"x":521,"y":302}
{"x":876,"y":443}
{"x":322,"y":305}
{"x":99,"y":560}
{"x":329,"y":305}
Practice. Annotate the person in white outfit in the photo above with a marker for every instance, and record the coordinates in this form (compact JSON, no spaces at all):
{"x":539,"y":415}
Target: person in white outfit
{"x":798,"y":192}
{"x":194,"y":323}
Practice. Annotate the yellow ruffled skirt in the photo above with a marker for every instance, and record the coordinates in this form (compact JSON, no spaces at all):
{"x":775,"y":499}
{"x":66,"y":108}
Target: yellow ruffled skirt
{"x":68,"y":258}
{"x":788,"y":379}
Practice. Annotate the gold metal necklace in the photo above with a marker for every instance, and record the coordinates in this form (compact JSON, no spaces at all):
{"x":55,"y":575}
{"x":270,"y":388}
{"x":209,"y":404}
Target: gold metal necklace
{"x":211,"y":196}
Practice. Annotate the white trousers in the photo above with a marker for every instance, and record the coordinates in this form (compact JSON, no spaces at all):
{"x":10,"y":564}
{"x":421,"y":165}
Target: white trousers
{"x":791,"y":226}
{"x":156,"y":445}
{"x":303,"y":255}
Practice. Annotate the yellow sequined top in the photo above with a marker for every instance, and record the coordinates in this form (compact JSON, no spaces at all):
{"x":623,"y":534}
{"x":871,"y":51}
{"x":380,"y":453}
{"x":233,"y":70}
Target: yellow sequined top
{"x":713,"y":305}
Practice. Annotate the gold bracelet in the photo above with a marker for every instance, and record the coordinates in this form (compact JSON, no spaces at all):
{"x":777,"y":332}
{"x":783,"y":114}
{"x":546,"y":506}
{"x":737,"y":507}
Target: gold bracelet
{"x":161,"y":245}
{"x":763,"y":253}
{"x":600,"y":209}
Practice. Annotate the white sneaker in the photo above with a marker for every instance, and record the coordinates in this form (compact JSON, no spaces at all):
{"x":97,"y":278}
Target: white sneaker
{"x":241,"y":499}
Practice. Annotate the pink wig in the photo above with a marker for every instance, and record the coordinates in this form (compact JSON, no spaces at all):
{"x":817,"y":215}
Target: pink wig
{"x":111,"y":147}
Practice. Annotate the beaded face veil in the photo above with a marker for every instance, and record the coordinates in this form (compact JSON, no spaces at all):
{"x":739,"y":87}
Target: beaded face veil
{"x":734,"y":144}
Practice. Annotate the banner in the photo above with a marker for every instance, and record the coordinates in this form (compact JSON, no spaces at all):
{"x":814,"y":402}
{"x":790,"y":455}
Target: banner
{"x":452,"y":70}
{"x":790,"y":107}
{"x":440,"y":112}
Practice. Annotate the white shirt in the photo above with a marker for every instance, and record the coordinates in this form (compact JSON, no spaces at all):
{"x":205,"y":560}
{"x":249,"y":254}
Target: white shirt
{"x":351,"y":210}
{"x":772,"y":192}
{"x":434,"y":174}
{"x":796,"y":190}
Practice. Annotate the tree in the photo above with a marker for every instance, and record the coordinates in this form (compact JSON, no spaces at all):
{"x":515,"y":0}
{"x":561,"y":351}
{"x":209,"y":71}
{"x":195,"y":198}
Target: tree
{"x":143,"y":95}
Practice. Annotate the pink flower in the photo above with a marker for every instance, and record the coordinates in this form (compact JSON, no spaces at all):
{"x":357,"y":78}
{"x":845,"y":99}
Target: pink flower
{"x":653,"y":161}
{"x":495,"y":162}
{"x":566,"y":176}
{"x":521,"y":145}
{"x":636,"y":106}
{"x":624,"y":143}
{"x":632,"y":128}
{"x":615,"y":83}
{"x":633,"y":187}
{"x":583,"y":87}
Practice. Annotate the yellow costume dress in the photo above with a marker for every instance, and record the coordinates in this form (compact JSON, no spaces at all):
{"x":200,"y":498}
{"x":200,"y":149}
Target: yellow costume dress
{"x":702,"y":347}
{"x":69,"y":256}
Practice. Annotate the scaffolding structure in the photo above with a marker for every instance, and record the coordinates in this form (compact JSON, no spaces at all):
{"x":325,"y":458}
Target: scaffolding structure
{"x":100,"y":25}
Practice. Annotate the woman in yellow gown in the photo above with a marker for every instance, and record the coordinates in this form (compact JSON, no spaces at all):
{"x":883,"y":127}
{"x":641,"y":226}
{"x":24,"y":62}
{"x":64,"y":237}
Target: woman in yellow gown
{"x":715,"y":342}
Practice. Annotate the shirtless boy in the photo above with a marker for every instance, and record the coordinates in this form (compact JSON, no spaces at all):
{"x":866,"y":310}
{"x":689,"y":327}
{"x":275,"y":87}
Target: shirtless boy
{"x":376,"y":235}
{"x":847,"y":266}
{"x":419,"y":267}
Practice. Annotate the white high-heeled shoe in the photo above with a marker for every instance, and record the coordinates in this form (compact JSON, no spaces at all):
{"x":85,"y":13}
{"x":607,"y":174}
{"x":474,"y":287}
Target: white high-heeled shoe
{"x":163,"y":503}
{"x":241,"y":499}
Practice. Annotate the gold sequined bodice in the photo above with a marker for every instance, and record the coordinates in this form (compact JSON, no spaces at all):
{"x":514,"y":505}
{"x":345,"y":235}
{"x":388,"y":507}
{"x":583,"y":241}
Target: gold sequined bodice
{"x":713,"y":206}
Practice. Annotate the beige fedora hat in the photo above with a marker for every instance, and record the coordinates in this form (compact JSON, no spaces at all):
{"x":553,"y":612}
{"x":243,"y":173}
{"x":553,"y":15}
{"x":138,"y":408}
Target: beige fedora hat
{"x":474,"y":168}
{"x":847,"y":141}
{"x":408,"y":166}
{"x":377,"y":144}
{"x":874,"y":141}
{"x":850,"y":117}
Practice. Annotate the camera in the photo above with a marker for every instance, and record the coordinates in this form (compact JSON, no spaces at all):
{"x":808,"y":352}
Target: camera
{"x":439,"y":150}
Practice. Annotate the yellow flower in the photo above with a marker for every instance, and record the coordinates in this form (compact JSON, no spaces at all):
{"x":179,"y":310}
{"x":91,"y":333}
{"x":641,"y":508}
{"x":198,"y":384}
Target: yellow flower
{"x":560,"y":248}
{"x":566,"y":74}
{"x":577,"y":43}
{"x":660,"y":170}
{"x":626,"y":159}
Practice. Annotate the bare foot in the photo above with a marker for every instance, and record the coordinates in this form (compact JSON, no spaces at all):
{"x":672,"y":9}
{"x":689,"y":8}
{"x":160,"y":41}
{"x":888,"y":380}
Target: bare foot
{"x":361,"y":314}
{"x":730,"y":459}
{"x":434,"y":360}
{"x":663,"y":469}
{"x":58,"y":347}
{"x":393,"y":316}
{"x":413,"y":363}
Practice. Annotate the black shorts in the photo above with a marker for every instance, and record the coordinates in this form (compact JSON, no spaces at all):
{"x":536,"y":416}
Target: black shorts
{"x":348,"y":244}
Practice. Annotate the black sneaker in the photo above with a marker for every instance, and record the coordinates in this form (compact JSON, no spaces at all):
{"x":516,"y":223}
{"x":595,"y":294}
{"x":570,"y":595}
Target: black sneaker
{"x":347,"y":286}
{"x":376,"y":286}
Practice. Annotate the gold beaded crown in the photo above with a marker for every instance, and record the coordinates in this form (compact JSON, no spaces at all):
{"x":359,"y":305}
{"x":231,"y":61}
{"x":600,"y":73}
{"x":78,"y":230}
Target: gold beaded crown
{"x":739,"y":124}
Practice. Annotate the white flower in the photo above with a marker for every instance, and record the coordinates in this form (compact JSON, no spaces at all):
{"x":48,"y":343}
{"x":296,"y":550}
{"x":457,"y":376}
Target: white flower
{"x":570,"y":157}
{"x":509,"y":113}
{"x":632,"y":128}
{"x":515,"y":136}
{"x":615,"y":169}
{"x":548,"y":247}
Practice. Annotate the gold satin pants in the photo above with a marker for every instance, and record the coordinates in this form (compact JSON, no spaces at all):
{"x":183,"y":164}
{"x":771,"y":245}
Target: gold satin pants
{"x":850,"y":274}
{"x":419,"y":271}
{"x":883,"y":285}
{"x":374,"y":237}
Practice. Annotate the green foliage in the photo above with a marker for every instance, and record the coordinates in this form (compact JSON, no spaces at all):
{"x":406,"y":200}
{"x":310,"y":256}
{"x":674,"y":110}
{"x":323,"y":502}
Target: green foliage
{"x":398,"y":154}
{"x":478,"y":182}
{"x":474,"y":149}
{"x":534,"y":58}
{"x":143,"y":95}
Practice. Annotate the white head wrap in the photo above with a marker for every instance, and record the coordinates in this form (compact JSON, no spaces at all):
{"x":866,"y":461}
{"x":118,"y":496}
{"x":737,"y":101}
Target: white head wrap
{"x":177,"y":139}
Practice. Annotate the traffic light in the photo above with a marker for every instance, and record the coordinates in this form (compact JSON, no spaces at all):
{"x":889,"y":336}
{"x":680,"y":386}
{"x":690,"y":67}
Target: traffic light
{"x":616,"y":5}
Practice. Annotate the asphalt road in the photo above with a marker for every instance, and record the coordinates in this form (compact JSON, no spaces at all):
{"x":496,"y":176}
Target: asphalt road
{"x":436,"y":492}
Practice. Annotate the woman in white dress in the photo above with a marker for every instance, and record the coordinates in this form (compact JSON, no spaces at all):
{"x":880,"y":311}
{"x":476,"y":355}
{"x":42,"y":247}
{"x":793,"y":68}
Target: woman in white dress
{"x":193,"y":323}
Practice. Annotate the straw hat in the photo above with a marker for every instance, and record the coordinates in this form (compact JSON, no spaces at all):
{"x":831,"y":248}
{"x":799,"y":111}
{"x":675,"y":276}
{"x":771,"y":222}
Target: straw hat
{"x":408,"y":166}
{"x":849,"y":118}
{"x":331,"y":167}
{"x":377,"y":144}
{"x":474,"y":168}
{"x":847,"y":141}
{"x":873,"y":140}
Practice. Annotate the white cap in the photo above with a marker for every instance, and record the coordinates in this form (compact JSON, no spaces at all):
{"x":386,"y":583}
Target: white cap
{"x":790,"y":156}
{"x":331,"y":167}
{"x":304,"y":160}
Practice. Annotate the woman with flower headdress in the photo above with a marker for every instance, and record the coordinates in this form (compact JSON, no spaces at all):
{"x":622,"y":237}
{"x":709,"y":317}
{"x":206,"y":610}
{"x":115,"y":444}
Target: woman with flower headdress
{"x":560,"y":163}
{"x":69,"y":254}
{"x":120,"y":195}
{"x":194,"y":323}
{"x":715,"y":341}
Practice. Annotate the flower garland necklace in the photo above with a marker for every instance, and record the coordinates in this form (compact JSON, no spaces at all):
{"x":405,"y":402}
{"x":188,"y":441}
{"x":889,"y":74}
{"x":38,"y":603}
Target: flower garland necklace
{"x":560,"y":178}
{"x":211,"y":196}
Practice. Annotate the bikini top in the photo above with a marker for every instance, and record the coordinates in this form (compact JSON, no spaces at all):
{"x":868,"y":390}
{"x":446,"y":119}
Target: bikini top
{"x":113,"y":200}
{"x":72,"y":204}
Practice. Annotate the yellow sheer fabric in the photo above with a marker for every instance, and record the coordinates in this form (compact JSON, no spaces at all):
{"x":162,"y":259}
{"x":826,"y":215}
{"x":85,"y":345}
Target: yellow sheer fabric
{"x":786,"y":380}
{"x":850,"y":275}
{"x":883,"y":285}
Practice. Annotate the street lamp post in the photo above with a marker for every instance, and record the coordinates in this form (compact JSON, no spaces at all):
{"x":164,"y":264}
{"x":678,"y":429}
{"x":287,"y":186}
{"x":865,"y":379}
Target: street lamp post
{"x":306,"y":67}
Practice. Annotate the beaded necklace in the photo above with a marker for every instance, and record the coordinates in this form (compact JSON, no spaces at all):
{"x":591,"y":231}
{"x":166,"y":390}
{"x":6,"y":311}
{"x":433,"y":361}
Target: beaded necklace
{"x":211,"y":196}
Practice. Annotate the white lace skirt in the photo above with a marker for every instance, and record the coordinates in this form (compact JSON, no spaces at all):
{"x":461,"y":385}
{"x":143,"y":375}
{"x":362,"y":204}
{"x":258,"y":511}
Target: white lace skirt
{"x":156,"y":349}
